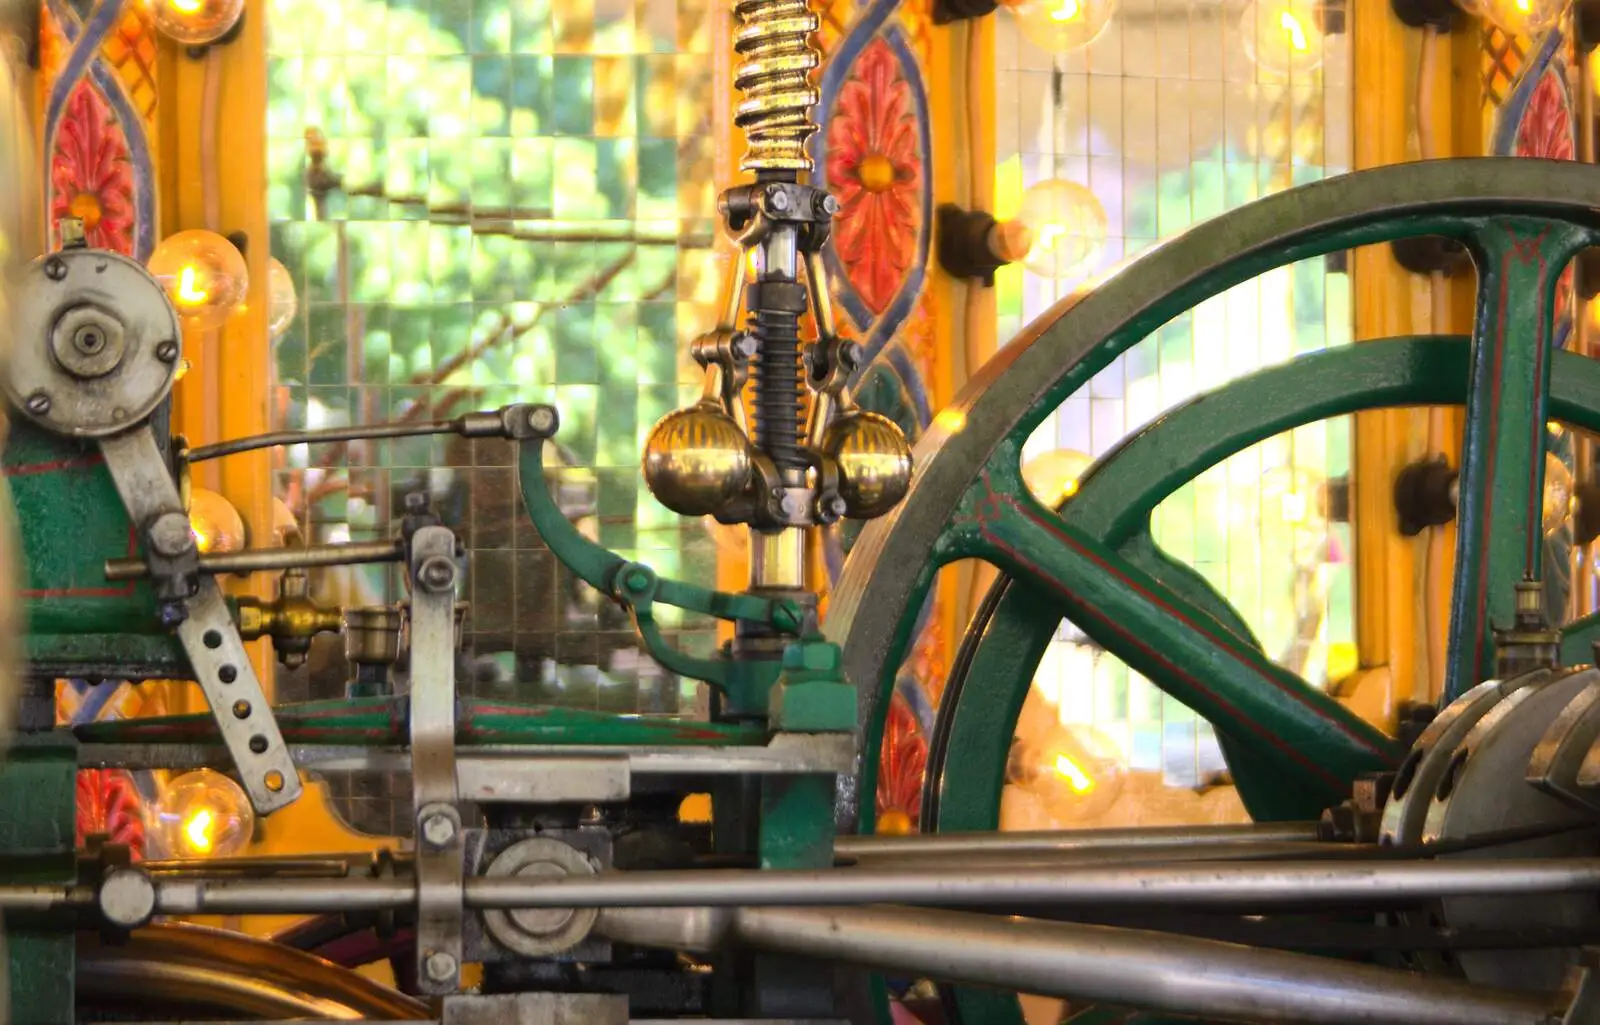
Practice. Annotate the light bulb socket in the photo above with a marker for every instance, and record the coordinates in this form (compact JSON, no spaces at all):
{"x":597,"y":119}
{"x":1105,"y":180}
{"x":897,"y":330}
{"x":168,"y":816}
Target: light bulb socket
{"x":1431,"y":254}
{"x":241,"y":242}
{"x":1441,"y":15}
{"x":1586,"y":24}
{"x":1587,"y":277}
{"x":965,"y":248}
{"x":947,"y":11}
{"x":1333,"y":17}
{"x":1586,"y":513}
{"x":1424,"y":495}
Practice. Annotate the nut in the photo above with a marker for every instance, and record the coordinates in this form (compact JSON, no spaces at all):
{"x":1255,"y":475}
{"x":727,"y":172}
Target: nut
{"x":438,"y":829}
{"x":441,"y":966}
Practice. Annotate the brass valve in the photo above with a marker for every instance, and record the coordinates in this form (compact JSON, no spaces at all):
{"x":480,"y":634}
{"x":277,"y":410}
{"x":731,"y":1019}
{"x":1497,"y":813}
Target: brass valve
{"x":291,"y":619}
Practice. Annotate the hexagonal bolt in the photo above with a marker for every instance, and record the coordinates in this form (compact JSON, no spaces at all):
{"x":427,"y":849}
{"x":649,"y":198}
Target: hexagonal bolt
{"x":167,"y":351}
{"x":438,"y":829}
{"x":437,"y":573}
{"x":38,"y":403}
{"x":441,"y":966}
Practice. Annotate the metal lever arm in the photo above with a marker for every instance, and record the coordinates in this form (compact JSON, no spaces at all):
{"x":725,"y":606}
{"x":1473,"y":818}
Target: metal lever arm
{"x":194,"y":604}
{"x":637,"y":588}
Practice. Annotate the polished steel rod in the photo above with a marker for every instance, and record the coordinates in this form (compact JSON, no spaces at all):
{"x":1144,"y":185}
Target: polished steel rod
{"x":1150,"y":970}
{"x":1193,"y":885}
{"x":255,"y":560}
{"x":1074,"y":840}
{"x":1217,"y":885}
{"x":324,"y":435}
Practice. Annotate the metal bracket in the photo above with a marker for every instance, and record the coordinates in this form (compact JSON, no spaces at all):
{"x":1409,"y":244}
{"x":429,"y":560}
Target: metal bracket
{"x":432,"y":568}
{"x":205,"y":628}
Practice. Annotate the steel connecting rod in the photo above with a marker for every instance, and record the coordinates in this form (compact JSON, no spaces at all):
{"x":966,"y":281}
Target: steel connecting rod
{"x":1200,"y":885}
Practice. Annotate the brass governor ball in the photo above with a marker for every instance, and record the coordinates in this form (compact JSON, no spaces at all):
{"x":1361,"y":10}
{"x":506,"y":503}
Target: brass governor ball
{"x":874,"y":462}
{"x":697,"y":461}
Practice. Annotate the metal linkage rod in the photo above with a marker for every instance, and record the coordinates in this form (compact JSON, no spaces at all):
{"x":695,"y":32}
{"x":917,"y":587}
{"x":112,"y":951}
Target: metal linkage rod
{"x":1194,"y":885}
{"x":487,"y":424}
{"x":1229,"y":885}
{"x":1128,"y":967}
{"x":272,"y":560}
{"x":1072,"y":840}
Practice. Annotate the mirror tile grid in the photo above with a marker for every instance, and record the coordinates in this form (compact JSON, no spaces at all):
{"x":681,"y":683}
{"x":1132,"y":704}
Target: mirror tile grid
{"x":1179,"y":111}
{"x":481,"y":202}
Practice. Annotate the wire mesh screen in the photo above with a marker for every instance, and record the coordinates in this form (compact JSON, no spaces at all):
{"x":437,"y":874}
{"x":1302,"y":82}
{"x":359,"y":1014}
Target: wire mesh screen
{"x":479,"y":202}
{"x":1179,"y":111}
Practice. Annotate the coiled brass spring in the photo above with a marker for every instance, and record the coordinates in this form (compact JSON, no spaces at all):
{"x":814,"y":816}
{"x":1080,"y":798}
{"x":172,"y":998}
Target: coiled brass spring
{"x":774,"y":38}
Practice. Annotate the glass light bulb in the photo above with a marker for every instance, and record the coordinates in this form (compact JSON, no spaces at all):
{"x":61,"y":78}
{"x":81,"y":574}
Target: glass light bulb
{"x":1075,"y":771}
{"x":1067,"y":227}
{"x":201,"y":814}
{"x":204,"y":274}
{"x":1284,"y":36}
{"x":217,"y":525}
{"x":1052,"y":477}
{"x":282,"y":303}
{"x":196,"y":22}
{"x":1519,"y":17}
{"x":1062,"y":26}
{"x":1560,"y":503}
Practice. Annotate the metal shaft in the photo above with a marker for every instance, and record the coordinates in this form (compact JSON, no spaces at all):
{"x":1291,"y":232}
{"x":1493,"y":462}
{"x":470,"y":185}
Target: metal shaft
{"x":271,"y":560}
{"x":1149,"y":970}
{"x":1230,"y":885}
{"x":1206,"y":885}
{"x":1074,"y":840}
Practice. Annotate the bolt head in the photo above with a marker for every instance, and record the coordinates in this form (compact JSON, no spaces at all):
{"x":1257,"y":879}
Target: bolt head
{"x":38,"y":403}
{"x":55,"y":270}
{"x":127,"y":898}
{"x":744,"y":345}
{"x":542,"y":419}
{"x":167,"y":351}
{"x":440,"y":966}
{"x":829,"y":205}
{"x":637,"y":580}
{"x":778,"y":198}
{"x":438,"y":830}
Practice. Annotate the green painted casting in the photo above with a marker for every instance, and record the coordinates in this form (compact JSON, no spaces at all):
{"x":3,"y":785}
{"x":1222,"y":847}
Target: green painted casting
{"x":70,"y":519}
{"x":1116,"y":497}
{"x":381,"y":722}
{"x":637,"y":588}
{"x":812,"y":695}
{"x":1499,"y":528}
{"x":38,"y":827}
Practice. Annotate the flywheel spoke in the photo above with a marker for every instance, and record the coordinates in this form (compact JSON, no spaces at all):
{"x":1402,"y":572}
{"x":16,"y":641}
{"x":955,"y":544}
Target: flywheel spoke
{"x":1520,"y":261}
{"x":1314,"y":742}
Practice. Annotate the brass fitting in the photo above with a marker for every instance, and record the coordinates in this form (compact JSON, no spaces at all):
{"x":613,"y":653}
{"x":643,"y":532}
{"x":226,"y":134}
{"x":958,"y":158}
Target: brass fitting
{"x":291,"y":619}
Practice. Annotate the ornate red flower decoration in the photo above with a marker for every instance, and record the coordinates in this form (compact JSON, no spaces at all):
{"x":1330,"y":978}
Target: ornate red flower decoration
{"x":91,"y":177}
{"x":109,"y":805}
{"x":875,"y":171}
{"x":905,"y":760}
{"x":1546,"y":131}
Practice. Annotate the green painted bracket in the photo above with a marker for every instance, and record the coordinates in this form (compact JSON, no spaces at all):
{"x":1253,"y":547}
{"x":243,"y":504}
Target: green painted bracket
{"x":637,"y":588}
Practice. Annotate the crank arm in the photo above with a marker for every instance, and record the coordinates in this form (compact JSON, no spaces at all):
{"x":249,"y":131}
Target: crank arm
{"x":204,"y":626}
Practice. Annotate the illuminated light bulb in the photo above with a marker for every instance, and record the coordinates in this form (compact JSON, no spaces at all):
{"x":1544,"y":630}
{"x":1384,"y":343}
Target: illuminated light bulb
{"x":1524,"y":17}
{"x":1067,"y":228}
{"x":201,"y":814}
{"x":1284,"y":36}
{"x":282,"y":302}
{"x":1052,"y":477}
{"x":1062,"y":26}
{"x":1075,"y":771}
{"x":1560,"y":500}
{"x":196,"y":22}
{"x":216,"y":524}
{"x":204,"y":274}
{"x":894,"y":822}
